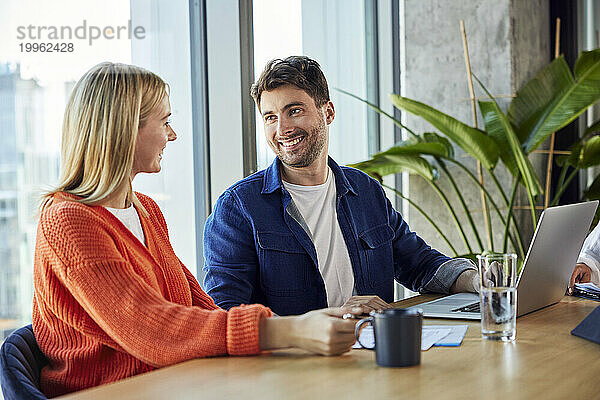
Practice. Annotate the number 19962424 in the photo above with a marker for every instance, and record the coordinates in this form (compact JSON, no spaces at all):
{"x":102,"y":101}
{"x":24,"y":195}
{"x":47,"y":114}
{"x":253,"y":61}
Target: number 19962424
{"x":46,"y":47}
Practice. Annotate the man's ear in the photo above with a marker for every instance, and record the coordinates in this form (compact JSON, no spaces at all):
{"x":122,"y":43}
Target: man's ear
{"x":329,"y":112}
{"x":257,"y":102}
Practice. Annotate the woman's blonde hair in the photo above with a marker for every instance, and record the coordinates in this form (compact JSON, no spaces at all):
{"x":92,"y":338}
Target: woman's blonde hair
{"x":102,"y":117}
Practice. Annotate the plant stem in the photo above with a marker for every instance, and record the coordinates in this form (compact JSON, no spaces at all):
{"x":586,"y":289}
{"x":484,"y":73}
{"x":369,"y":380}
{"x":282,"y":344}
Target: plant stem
{"x":419,"y":209}
{"x":517,"y":244}
{"x":487,"y":215}
{"x":454,"y":217}
{"x":563,"y":174}
{"x":462,"y":201}
{"x":529,"y":196}
{"x":509,"y":206}
{"x":380,"y":111}
{"x":564,"y":187}
{"x":498,"y":186}
{"x":532,"y":208}
{"x":508,"y":217}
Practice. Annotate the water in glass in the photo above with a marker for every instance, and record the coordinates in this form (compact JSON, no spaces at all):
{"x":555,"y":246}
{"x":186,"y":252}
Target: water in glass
{"x":498,"y":313}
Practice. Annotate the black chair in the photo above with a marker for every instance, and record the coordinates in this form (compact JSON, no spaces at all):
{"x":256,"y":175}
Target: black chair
{"x":21,"y":361}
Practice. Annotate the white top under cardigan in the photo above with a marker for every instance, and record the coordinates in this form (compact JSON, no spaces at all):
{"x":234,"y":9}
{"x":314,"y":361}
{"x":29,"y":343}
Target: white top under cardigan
{"x":130,"y":218}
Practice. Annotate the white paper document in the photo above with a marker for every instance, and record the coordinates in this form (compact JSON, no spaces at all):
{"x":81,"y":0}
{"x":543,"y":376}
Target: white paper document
{"x":429,"y":337}
{"x":454,"y":338}
{"x":432,"y":335}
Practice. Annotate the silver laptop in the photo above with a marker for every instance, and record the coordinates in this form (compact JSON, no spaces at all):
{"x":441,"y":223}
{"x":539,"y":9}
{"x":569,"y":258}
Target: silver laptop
{"x":548,"y":265}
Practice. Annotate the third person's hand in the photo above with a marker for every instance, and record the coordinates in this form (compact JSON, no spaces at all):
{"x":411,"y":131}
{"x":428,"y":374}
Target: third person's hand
{"x":581,"y":274}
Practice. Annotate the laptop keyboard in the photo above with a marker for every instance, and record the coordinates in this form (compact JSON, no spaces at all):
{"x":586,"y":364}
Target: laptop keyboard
{"x":470,"y":308}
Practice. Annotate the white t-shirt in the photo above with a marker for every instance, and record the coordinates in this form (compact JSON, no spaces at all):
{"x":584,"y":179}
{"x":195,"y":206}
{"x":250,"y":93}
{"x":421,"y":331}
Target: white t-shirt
{"x":590,"y":254}
{"x":317,"y":206}
{"x":130,"y":218}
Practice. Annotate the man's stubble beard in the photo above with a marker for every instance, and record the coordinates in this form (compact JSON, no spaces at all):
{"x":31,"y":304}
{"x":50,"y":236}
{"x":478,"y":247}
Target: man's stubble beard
{"x":318,"y":136}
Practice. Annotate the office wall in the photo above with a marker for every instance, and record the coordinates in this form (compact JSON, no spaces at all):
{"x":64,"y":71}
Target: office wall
{"x":509,"y":42}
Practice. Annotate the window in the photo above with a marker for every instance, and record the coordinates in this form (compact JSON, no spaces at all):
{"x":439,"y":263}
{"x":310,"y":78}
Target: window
{"x":166,"y":52}
{"x":34,"y":87}
{"x":335,"y":34}
{"x":349,"y":38}
{"x":283,"y":19}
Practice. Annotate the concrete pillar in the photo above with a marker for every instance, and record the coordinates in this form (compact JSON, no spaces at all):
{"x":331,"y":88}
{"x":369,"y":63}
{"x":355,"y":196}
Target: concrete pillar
{"x":509,"y":42}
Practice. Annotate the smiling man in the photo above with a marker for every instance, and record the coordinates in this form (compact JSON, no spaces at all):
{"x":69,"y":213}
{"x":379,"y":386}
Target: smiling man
{"x":306,"y":233}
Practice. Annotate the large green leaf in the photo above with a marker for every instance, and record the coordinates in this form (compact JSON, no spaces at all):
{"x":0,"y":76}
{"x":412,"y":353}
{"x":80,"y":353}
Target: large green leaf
{"x":383,"y":165}
{"x":571,"y":102}
{"x":417,"y":148}
{"x":591,"y":153}
{"x":498,"y":126}
{"x":573,"y":158}
{"x":495,"y":130}
{"x":584,"y":155}
{"x":537,"y":94}
{"x":432,"y":137}
{"x":473,"y":141}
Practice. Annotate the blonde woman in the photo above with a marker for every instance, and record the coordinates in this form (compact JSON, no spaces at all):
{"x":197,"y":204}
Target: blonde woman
{"x":112,"y":299}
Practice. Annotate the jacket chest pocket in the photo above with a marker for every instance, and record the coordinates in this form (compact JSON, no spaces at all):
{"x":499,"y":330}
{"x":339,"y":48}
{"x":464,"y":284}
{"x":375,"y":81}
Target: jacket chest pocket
{"x":378,"y":252}
{"x":284,"y":264}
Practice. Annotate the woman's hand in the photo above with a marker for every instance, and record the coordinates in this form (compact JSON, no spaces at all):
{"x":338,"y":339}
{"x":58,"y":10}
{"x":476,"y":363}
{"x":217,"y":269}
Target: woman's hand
{"x":322,"y":332}
{"x":581,"y":274}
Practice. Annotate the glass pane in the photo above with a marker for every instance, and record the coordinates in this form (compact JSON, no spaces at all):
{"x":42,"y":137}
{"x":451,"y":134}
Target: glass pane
{"x":166,"y":52}
{"x":282,"y":18}
{"x":333,"y":33}
{"x":35,"y":83}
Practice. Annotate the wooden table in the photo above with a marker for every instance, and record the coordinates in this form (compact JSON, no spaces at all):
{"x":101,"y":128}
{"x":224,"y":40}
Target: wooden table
{"x":545,"y":362}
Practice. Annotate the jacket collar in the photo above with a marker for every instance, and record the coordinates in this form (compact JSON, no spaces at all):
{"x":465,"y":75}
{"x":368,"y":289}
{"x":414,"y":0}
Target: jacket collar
{"x":272,"y":178}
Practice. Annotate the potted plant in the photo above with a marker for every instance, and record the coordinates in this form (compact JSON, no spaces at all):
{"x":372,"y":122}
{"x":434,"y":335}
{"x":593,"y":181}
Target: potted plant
{"x":547,"y":103}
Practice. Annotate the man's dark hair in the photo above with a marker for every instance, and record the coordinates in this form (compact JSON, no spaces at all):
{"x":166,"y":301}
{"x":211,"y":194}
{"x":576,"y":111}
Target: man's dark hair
{"x":299,"y":71}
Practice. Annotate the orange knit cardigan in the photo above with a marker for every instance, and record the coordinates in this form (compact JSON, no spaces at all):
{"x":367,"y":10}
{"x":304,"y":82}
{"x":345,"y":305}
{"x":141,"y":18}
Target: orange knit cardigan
{"x":107,"y":307}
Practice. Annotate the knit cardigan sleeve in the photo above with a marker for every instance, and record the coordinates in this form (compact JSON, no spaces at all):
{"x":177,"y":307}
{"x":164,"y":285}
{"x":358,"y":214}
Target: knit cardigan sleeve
{"x":199,"y":296}
{"x":126,"y":309}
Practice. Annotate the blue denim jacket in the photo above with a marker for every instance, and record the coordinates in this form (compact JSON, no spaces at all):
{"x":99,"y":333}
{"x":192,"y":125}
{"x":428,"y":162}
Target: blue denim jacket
{"x":257,"y":248}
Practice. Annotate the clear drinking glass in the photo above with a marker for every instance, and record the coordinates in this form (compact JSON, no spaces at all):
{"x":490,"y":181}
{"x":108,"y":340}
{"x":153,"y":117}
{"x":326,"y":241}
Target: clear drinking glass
{"x":498,"y":296}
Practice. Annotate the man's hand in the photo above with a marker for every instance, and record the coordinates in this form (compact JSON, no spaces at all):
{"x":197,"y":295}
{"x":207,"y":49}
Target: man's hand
{"x":367,"y":303}
{"x":467,"y":281}
{"x":581,"y":274}
{"x":322,"y":332}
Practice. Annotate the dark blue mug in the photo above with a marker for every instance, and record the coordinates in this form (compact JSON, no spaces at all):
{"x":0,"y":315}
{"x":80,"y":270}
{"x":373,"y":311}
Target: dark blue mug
{"x":397,"y":333}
